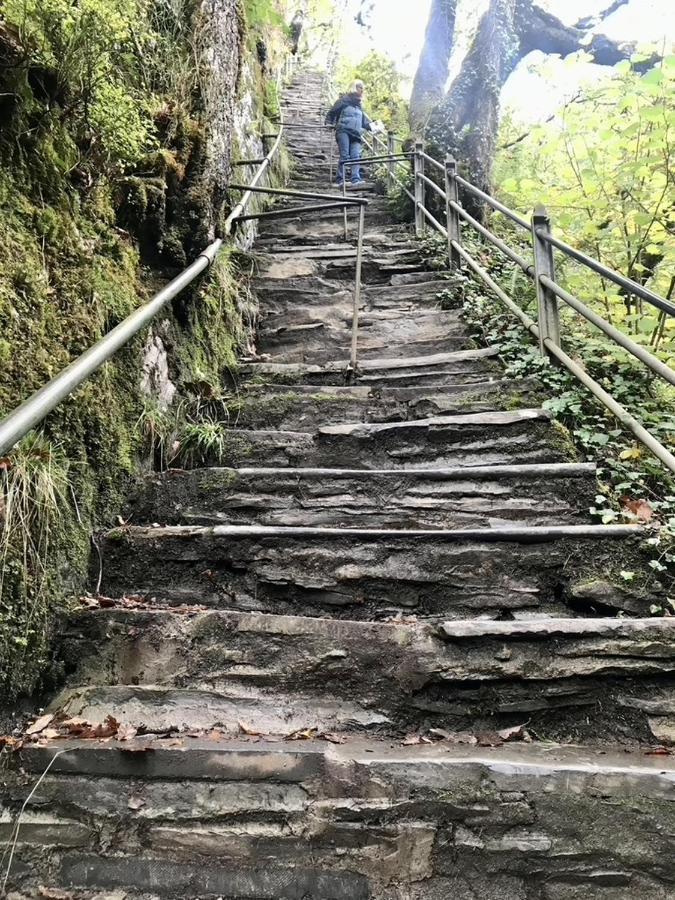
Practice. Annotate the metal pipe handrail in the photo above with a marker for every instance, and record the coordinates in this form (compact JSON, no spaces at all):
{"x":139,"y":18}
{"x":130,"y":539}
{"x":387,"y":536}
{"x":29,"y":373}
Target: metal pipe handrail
{"x":43,"y":401}
{"x":528,"y":268}
{"x":548,"y":290}
{"x":434,"y":187}
{"x":437,"y":225}
{"x":434,"y":162}
{"x":620,"y":412}
{"x":658,"y":367}
{"x":495,"y":204}
{"x":622,"y":280}
{"x":307,"y":195}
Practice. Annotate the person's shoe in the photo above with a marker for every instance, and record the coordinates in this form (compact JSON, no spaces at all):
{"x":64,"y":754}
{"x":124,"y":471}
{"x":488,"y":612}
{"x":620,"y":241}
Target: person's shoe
{"x":358,"y":182}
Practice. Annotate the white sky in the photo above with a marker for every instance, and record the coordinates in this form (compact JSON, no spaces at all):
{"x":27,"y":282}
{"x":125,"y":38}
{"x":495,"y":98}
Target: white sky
{"x":398,"y":26}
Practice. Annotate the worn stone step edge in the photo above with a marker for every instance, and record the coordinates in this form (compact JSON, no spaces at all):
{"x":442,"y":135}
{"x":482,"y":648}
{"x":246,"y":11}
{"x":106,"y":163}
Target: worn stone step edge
{"x":522,"y":534}
{"x":435,"y":359}
{"x":574,"y":768}
{"x":533,"y":471}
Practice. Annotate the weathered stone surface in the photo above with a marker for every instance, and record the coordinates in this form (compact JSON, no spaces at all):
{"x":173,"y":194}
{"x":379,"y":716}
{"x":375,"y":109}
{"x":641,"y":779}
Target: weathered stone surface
{"x":393,"y":499}
{"x":385,"y":673}
{"x":432,"y":623}
{"x":361,"y":574}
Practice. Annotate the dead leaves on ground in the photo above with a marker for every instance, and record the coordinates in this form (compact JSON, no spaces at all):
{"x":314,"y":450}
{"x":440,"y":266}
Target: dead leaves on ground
{"x":133,"y":602}
{"x":480,"y":739}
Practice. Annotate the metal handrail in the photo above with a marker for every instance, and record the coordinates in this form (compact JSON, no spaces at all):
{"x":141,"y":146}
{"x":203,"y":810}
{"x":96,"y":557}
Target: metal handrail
{"x":43,"y":401}
{"x":491,"y":201}
{"x":547,"y":332}
{"x":632,"y":287}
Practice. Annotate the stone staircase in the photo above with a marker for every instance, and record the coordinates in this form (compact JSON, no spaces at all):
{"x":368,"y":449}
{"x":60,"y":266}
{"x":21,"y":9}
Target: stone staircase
{"x":382,"y":655}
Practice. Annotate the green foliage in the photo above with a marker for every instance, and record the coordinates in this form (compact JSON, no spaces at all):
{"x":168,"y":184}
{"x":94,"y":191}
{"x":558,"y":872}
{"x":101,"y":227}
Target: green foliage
{"x":82,"y":59}
{"x":102,"y":180}
{"x":603,"y":168}
{"x":262,"y":13}
{"x":34,"y":496}
{"x":628,"y":474}
{"x":383,"y":99}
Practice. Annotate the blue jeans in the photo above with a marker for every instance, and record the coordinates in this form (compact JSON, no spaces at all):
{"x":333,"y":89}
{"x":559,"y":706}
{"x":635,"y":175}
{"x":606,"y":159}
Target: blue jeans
{"x":350,"y":150}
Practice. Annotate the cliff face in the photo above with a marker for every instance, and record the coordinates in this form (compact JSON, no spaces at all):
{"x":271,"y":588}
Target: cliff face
{"x":119,"y":123}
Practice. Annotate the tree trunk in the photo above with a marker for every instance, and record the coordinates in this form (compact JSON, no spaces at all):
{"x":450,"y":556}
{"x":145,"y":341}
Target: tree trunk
{"x":465,"y":122}
{"x":432,"y":73}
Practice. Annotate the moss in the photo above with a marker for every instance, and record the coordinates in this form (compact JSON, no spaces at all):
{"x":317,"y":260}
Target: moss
{"x":82,"y":243}
{"x":561,"y":439}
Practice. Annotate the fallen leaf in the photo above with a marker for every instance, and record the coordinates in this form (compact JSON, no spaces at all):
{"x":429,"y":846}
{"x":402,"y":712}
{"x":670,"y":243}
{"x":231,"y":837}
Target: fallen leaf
{"x":54,"y":894}
{"x":659,"y":751}
{"x":639,"y":508}
{"x":489,"y":739}
{"x":246,"y":729}
{"x":332,"y":738}
{"x":40,"y":724}
{"x":126,"y":732}
{"x":304,"y":734}
{"x":136,"y":803}
{"x":412,"y":739}
{"x":514,"y":733}
{"x":6,"y":464}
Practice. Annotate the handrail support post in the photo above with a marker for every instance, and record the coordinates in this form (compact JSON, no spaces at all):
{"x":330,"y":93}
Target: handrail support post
{"x":391,"y":165}
{"x":454,"y":226}
{"x":357,"y":290}
{"x":547,"y":302}
{"x":420,"y":190}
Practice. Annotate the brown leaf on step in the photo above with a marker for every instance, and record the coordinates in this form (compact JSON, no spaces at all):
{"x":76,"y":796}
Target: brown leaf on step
{"x":303,"y":734}
{"x":6,"y":740}
{"x":136,"y":803}
{"x":440,"y":734}
{"x":489,"y":739}
{"x":40,"y":724}
{"x":411,"y":740}
{"x":137,"y":748}
{"x":109,"y":728}
{"x":81,"y":728}
{"x":76,"y":726}
{"x":462,"y":737}
{"x":246,"y":729}
{"x":54,"y":894}
{"x":5,"y":464}
{"x":331,"y":738}
{"x":638,"y":508}
{"x":514,"y":733}
{"x":126,"y":732}
{"x":659,"y":751}
{"x":49,"y":734}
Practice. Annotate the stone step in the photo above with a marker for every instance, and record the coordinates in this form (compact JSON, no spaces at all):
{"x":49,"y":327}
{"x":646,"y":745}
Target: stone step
{"x":294,"y":408}
{"x":608,"y":681}
{"x":523,"y":822}
{"x":459,"y":367}
{"x":154,"y":709}
{"x":314,"y":294}
{"x":393,"y":498}
{"x":365,"y":573}
{"x":319,"y":334}
{"x":462,"y":439}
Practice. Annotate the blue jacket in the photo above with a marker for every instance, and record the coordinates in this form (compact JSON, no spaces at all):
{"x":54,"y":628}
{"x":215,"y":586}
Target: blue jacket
{"x":348,"y":116}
